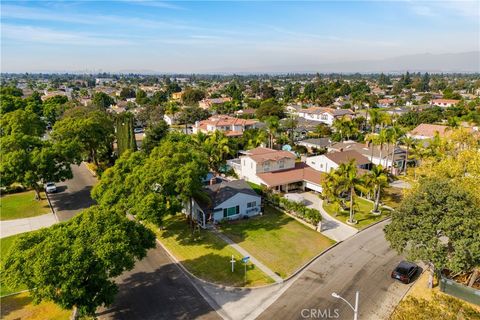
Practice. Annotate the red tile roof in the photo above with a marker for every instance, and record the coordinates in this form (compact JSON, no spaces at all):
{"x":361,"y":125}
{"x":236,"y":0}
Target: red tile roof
{"x":261,"y":155}
{"x":429,"y":130}
{"x":301,"y":172}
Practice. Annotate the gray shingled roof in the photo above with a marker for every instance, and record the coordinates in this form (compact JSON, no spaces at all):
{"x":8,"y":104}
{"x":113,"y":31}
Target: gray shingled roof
{"x":223,"y":191}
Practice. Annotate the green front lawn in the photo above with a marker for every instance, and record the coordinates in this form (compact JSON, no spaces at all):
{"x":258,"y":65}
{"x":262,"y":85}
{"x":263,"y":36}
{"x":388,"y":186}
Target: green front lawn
{"x":206,"y":255}
{"x":23,"y":205}
{"x":392,"y":197}
{"x":362,"y":213}
{"x":5,"y":244}
{"x":277,"y":240}
{"x":21,"y":306}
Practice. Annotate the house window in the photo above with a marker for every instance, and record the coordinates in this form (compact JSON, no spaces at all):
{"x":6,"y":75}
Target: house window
{"x":231,"y":211}
{"x":266,"y":166}
{"x":321,"y":165}
{"x":324,"y":117}
{"x":281,"y":164}
{"x":251,"y":204}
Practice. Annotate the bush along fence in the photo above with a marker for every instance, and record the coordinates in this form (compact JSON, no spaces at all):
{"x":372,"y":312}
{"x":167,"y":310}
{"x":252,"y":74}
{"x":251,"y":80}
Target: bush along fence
{"x":297,"y":209}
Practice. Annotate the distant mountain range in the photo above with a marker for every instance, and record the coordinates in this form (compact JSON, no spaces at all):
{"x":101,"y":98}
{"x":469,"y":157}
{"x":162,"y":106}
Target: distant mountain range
{"x":464,"y":62}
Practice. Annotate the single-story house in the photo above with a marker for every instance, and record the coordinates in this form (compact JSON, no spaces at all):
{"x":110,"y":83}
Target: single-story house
{"x":318,"y":143}
{"x":225,"y":200}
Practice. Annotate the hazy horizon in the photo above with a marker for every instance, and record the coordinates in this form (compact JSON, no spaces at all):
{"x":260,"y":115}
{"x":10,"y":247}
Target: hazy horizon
{"x":240,"y":37}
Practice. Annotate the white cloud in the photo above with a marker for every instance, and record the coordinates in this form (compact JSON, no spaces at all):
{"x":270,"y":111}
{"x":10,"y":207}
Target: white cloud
{"x":422,"y":10}
{"x":32,"y":34}
{"x":25,"y":13}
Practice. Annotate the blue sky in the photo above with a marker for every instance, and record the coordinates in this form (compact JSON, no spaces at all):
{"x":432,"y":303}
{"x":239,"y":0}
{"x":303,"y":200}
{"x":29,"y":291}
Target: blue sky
{"x":220,"y":36}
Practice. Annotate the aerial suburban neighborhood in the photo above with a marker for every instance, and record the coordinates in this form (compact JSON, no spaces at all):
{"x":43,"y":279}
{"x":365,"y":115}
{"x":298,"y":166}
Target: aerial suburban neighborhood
{"x":212,"y":182}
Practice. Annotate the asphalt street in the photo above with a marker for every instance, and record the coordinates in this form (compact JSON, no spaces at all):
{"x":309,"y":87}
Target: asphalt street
{"x":73,"y":195}
{"x":362,"y":263}
{"x":157,"y":289}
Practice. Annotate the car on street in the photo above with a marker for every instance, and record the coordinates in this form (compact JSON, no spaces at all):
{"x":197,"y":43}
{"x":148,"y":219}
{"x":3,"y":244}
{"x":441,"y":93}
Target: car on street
{"x":405,"y":271}
{"x":50,"y":187}
{"x":138,"y":130}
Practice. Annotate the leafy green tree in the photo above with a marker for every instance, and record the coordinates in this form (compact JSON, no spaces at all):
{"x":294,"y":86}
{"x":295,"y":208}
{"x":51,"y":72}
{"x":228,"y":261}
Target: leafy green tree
{"x":11,"y":91}
{"x":9,"y":103}
{"x":73,"y":264}
{"x":29,"y":160}
{"x":102,"y":100}
{"x":54,"y":107}
{"x":155,"y":185}
{"x":154,"y":135}
{"x":34,"y":103}
{"x":438,"y":222}
{"x":127,"y":93}
{"x":269,"y":108}
{"x":159,"y":97}
{"x":141,"y":97}
{"x":21,"y":122}
{"x":191,"y":97}
{"x":91,"y":129}
{"x":267,"y":91}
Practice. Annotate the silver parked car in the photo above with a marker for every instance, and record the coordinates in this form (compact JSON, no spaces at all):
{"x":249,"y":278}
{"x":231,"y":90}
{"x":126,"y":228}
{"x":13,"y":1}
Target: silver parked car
{"x":50,"y":187}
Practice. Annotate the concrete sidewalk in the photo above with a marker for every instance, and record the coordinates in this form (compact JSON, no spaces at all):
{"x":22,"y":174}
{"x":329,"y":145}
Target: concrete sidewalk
{"x":331,"y":227}
{"x":13,"y":227}
{"x":245,"y":253}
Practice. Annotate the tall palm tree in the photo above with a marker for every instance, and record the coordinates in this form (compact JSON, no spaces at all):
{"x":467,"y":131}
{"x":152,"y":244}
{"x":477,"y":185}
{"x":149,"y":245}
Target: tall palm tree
{"x":218,"y":148}
{"x":378,"y":179}
{"x":409,"y":143}
{"x":371,"y":139}
{"x":348,"y":183}
{"x":374,"y":118}
{"x":382,"y":138}
{"x":396,"y":134}
{"x":272,"y":126}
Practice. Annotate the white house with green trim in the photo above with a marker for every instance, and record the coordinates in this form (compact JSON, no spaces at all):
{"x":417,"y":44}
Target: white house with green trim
{"x":226,"y":200}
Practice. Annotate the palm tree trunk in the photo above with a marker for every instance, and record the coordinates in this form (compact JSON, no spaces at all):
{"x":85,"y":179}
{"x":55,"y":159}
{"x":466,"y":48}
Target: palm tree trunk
{"x":406,"y":162}
{"x":351,"y":205}
{"x":377,"y":199}
{"x":393,"y":157}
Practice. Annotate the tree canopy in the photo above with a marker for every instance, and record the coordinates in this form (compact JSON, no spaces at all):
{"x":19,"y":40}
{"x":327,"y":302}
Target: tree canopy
{"x":438,"y":222}
{"x":152,"y":186}
{"x":73,"y":264}
{"x":91,"y":128}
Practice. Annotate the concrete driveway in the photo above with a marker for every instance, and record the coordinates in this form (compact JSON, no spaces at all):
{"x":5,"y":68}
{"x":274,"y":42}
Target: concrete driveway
{"x":331,"y":227}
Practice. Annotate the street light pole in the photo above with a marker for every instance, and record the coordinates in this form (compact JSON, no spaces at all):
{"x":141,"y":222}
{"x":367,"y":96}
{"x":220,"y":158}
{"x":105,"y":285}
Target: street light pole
{"x":355,"y":309}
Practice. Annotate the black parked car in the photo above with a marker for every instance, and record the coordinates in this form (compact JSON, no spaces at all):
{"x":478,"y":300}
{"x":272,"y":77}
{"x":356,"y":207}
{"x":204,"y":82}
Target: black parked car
{"x":405,"y":271}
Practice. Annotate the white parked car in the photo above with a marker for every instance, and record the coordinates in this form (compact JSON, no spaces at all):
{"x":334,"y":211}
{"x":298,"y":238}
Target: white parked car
{"x":50,"y":187}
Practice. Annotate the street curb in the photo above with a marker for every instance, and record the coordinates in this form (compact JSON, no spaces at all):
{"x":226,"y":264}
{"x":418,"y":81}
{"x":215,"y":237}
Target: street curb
{"x":90,"y":170}
{"x":405,"y":294}
{"x":174,"y":259}
{"x":217,"y":308}
{"x":14,"y":293}
{"x":51,"y":207}
{"x":374,"y":224}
